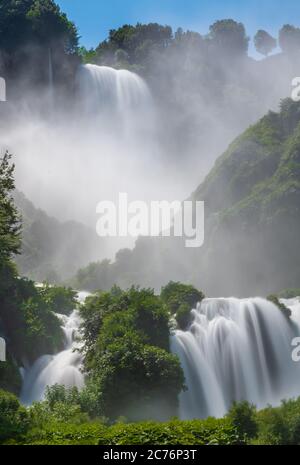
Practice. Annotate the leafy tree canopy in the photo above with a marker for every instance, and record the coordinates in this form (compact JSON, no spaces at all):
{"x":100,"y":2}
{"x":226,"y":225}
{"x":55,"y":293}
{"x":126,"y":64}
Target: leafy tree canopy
{"x":264,"y":42}
{"x":289,"y":38}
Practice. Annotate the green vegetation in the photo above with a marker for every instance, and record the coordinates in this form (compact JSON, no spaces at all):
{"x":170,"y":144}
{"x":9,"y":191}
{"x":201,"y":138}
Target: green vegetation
{"x":183,"y":316}
{"x":176,"y":294}
{"x":27,"y":313}
{"x":59,"y":299}
{"x":30,"y":32}
{"x":14,"y":419}
{"x":10,"y":377}
{"x":289,"y":38}
{"x":127,"y":356}
{"x":289,"y":293}
{"x":243,"y":418}
{"x":275,"y":300}
{"x":264,"y":42}
{"x":61,"y":419}
{"x":180,"y":300}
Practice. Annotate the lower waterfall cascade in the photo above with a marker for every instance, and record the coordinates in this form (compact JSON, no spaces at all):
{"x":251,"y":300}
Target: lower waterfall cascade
{"x":234,"y":349}
{"x":62,"y":368}
{"x":237,"y":349}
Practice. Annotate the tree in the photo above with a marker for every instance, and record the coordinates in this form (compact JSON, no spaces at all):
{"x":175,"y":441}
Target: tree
{"x":177,"y":294}
{"x":137,"y":43}
{"x":264,"y":42}
{"x":137,"y":381}
{"x":229,"y":36}
{"x":49,"y":25}
{"x":243,"y":417}
{"x":130,"y":369}
{"x":10,"y":226}
{"x":31,"y":31}
{"x":59,"y":299}
{"x":14,"y":419}
{"x":35,"y":22}
{"x":289,"y":38}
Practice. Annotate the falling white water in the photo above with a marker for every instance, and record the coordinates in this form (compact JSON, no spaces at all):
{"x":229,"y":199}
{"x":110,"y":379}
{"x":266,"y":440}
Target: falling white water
{"x":119,"y":99}
{"x":237,"y":350}
{"x":62,"y":368}
{"x":108,"y":141}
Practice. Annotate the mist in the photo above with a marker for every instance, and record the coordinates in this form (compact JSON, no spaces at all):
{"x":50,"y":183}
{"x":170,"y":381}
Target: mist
{"x":152,"y":135}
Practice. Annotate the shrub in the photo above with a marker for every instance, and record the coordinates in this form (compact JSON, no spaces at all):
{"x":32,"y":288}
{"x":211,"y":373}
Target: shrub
{"x":59,"y":299}
{"x":10,"y":378}
{"x":243,"y":417}
{"x":14,"y":419}
{"x":175,"y":294}
{"x":183,"y":316}
{"x":289,"y":293}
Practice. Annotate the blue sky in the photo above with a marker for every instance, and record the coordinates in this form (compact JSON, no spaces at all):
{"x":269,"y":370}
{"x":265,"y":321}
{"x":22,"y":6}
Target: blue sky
{"x":94,"y":18}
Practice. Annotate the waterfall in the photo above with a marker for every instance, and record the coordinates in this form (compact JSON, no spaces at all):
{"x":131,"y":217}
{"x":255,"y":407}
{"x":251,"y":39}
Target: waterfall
{"x":117,"y":97}
{"x":62,"y":368}
{"x":237,"y":349}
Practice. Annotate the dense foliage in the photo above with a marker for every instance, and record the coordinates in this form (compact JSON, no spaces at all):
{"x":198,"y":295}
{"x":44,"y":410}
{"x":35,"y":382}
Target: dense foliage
{"x":181,"y":299}
{"x":14,"y":419}
{"x":130,"y":369}
{"x":59,"y":299}
{"x":264,"y":42}
{"x":139,"y":47}
{"x":289,"y":293}
{"x":175,"y":294}
{"x":31,"y":33}
{"x":27,"y":312}
{"x":61,"y":419}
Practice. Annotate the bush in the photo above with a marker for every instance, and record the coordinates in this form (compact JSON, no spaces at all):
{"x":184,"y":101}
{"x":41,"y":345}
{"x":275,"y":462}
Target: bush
{"x":196,"y":432}
{"x":130,"y":369}
{"x":14,"y":419}
{"x":273,"y":429}
{"x":184,"y":316}
{"x":60,"y":405}
{"x":243,"y":417}
{"x":176,"y":294}
{"x":59,"y":299}
{"x":136,"y":380}
{"x":28,"y":323}
{"x":280,"y":425}
{"x":10,"y":378}
{"x":289,"y":293}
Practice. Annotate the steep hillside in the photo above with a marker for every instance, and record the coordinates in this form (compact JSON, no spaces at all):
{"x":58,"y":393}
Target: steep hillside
{"x":252,"y":220}
{"x":252,"y":199}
